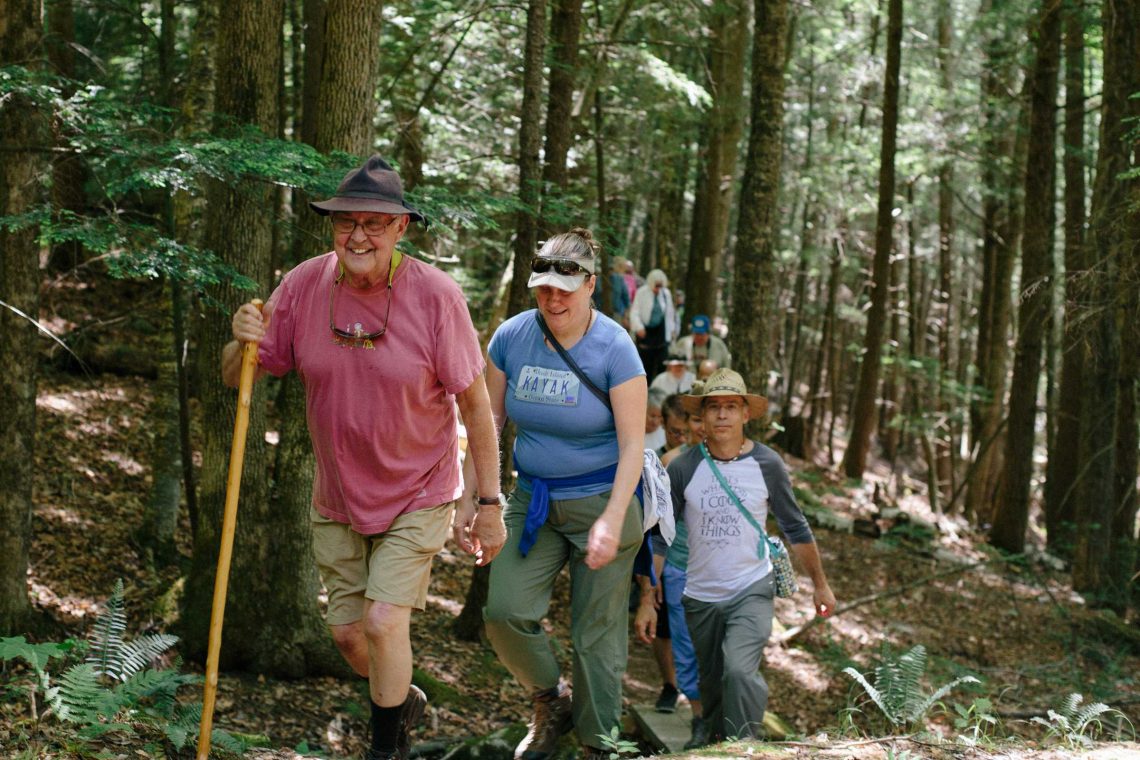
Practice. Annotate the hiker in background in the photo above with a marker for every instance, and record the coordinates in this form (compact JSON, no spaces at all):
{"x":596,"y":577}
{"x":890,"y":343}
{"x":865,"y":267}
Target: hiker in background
{"x":701,"y":344}
{"x":651,"y":321}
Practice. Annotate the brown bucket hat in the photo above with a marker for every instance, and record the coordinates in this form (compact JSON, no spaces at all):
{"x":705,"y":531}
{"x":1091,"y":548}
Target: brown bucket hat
{"x":376,"y":187}
{"x":724,"y":382}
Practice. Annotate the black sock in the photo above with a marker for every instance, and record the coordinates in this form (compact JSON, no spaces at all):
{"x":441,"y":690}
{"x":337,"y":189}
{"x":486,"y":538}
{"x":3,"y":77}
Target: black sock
{"x":385,"y":728}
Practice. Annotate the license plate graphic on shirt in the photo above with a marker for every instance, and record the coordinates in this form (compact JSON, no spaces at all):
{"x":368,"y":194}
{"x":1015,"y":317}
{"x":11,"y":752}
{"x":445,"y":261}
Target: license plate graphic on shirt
{"x":547,"y":386}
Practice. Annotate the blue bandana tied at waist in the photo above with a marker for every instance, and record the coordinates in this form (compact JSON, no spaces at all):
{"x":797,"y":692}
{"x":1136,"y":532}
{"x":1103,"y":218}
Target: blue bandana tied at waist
{"x":539,"y":509}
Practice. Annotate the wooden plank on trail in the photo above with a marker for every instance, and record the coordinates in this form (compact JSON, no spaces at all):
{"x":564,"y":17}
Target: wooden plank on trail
{"x":666,"y":731}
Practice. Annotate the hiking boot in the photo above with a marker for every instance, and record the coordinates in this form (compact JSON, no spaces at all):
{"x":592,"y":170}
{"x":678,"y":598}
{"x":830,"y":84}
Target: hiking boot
{"x":552,"y":718}
{"x":412,"y":713}
{"x":700,"y":737}
{"x":667,"y":700}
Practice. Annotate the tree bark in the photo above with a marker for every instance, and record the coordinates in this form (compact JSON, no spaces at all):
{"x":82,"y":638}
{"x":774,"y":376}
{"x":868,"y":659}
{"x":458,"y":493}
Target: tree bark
{"x":728,"y":30}
{"x":863,"y":413}
{"x":20,"y":126}
{"x":944,"y":438}
{"x":238,"y":231}
{"x":992,"y":355}
{"x":565,"y":28}
{"x":754,"y":307}
{"x":1060,"y":493}
{"x":530,"y":140}
{"x":1012,"y":515}
{"x":1110,"y":251}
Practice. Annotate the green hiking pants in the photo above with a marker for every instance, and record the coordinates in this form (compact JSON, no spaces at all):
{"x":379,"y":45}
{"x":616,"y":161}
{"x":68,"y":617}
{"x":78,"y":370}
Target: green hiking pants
{"x":518,"y":598}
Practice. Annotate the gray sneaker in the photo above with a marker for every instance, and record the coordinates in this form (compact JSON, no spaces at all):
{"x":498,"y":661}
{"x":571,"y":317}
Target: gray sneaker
{"x":552,"y":719}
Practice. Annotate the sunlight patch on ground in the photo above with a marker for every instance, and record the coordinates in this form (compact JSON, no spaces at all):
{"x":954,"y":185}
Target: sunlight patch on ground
{"x":58,"y":403}
{"x":447,"y":605}
{"x":63,"y":516}
{"x":125,"y":463}
{"x":801,"y":666}
{"x":71,"y":608}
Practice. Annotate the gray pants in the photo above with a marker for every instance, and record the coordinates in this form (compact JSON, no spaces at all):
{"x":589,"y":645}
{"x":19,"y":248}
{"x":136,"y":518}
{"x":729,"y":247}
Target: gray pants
{"x":518,"y":598}
{"x":729,"y":639}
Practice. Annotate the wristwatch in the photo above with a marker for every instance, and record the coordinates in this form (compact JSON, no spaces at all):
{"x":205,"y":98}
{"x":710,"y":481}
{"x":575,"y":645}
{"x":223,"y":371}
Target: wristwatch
{"x":491,"y":501}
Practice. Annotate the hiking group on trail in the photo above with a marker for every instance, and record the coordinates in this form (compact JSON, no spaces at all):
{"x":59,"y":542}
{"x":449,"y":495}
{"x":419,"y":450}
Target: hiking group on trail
{"x":386,"y":349}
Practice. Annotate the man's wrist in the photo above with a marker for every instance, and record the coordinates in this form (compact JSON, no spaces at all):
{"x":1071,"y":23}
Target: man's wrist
{"x":490,"y":502}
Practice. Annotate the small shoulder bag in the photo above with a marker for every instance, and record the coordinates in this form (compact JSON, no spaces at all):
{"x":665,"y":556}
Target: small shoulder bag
{"x":785,"y":575}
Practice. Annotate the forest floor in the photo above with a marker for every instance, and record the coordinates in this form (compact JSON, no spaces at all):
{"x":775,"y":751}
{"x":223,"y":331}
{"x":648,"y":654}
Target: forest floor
{"x":1015,"y":625}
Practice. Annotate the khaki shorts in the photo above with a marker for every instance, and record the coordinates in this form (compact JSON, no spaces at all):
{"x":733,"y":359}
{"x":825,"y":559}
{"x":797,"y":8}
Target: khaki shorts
{"x":392,"y":567}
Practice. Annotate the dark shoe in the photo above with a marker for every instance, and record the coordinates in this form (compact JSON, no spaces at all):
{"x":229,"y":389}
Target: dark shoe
{"x":667,"y":700}
{"x":413,"y":712}
{"x":700,"y":737}
{"x":552,"y":719}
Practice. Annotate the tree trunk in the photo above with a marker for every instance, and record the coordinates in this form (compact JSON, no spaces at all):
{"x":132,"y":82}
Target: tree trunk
{"x":986,"y":411}
{"x":943,"y":437}
{"x":238,"y":231}
{"x":1111,"y":256}
{"x":565,"y":28}
{"x":341,"y":121}
{"x":863,"y":413}
{"x":20,"y":126}
{"x":754,"y":307}
{"x":69,"y":171}
{"x":1060,"y":492}
{"x":728,"y":30}
{"x":1012,"y":515}
{"x":530,"y":140}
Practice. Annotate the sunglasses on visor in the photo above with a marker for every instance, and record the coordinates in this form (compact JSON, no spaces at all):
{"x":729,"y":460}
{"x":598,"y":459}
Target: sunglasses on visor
{"x":562,"y":266}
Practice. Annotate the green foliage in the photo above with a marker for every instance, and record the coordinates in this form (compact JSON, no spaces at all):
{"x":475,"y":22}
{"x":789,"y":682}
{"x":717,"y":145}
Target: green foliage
{"x":115,"y":689}
{"x":1077,"y":725}
{"x":617,"y":746}
{"x":897,"y":690}
{"x":976,"y":723}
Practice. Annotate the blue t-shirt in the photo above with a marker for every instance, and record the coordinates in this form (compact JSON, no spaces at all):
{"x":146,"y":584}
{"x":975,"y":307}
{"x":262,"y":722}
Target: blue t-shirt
{"x":563,"y":428}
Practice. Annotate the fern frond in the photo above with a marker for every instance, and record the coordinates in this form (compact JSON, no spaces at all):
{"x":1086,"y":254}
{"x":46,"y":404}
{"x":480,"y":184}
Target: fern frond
{"x":930,"y":701}
{"x":106,"y":639}
{"x":912,"y":666}
{"x":155,"y":690}
{"x":138,"y":654}
{"x":872,"y":692}
{"x":79,"y":698}
{"x":1071,"y":704}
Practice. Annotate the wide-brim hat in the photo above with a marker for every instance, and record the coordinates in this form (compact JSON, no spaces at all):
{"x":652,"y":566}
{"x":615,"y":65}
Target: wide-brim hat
{"x":724,"y":382}
{"x":374,"y":187}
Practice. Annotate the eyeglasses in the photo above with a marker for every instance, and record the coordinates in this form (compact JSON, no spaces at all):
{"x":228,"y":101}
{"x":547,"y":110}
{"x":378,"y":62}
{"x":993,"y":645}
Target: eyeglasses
{"x":358,"y":334}
{"x":371,"y":226}
{"x":541,"y":264}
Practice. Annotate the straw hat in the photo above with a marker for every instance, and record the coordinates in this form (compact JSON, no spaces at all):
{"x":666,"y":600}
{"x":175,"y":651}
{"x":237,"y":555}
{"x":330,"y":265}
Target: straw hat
{"x":724,"y":382}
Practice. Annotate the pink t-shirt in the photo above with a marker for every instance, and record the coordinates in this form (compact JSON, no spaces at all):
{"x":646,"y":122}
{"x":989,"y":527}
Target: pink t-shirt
{"x":382,"y":414}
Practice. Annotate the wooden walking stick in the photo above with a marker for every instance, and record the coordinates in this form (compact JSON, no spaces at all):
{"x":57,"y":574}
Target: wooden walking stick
{"x":229,"y":522}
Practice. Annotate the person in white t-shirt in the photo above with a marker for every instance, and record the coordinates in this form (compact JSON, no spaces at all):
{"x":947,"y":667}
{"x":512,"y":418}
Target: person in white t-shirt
{"x":730,"y":587}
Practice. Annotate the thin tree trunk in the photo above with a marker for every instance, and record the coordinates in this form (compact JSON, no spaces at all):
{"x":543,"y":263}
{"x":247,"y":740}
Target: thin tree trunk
{"x":530,"y":141}
{"x":997,"y":259}
{"x":1060,"y":495}
{"x":1111,"y":250}
{"x":863,"y":413}
{"x":20,"y":125}
{"x":754,"y":302}
{"x":728,"y":41}
{"x":565,"y":28}
{"x":1012,"y":515}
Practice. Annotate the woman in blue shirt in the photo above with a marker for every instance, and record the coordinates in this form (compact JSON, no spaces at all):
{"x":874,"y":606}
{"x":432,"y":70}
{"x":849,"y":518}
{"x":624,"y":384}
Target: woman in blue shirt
{"x":579,"y":462}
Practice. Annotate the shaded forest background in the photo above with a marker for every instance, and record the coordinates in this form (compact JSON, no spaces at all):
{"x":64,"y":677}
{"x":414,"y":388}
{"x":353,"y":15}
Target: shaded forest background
{"x":919,"y":220}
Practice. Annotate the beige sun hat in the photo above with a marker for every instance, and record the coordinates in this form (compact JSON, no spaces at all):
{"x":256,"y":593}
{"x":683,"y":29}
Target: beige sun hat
{"x":724,"y":382}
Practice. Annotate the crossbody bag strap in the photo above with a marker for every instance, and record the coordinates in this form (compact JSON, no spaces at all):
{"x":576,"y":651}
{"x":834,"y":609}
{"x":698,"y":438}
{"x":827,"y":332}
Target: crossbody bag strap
{"x":735,"y":499}
{"x":573,"y":365}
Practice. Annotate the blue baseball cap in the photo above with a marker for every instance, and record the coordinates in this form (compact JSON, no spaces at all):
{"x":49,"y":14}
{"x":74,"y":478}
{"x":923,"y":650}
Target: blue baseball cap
{"x":700,"y":324}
